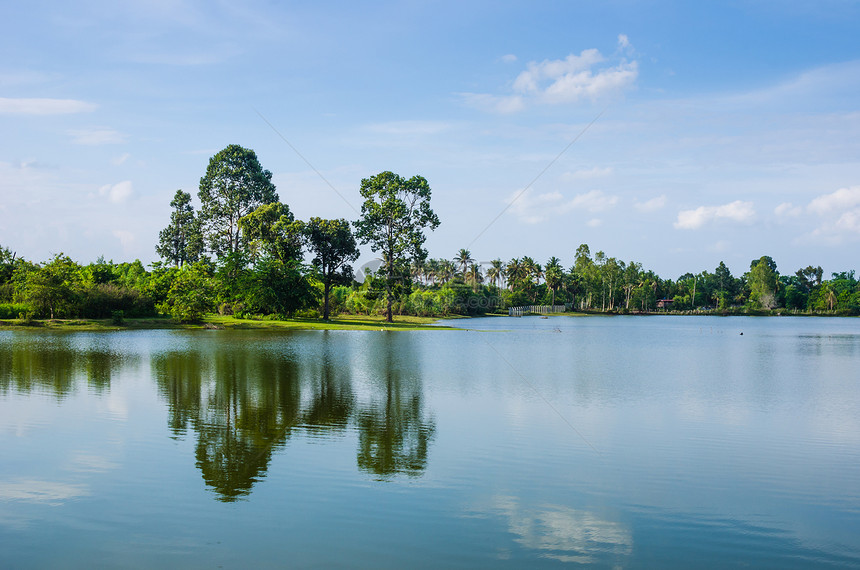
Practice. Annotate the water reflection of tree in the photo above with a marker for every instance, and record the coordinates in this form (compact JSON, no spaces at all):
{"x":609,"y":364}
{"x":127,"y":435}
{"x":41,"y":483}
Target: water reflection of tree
{"x":394,"y":436}
{"x":243,"y":400}
{"x":56,"y":365}
{"x":243,"y":404}
{"x":332,"y":401}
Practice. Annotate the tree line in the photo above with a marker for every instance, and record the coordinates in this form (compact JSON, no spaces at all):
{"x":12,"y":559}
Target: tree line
{"x":244,"y":253}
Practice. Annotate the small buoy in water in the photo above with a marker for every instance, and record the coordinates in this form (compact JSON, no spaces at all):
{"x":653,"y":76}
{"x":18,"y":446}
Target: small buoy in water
{"x":742,"y":334}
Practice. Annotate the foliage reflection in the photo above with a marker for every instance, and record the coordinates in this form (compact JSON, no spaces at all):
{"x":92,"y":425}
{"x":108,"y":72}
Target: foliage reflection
{"x":244,"y":398}
{"x":393,"y":433}
{"x":57,"y":364}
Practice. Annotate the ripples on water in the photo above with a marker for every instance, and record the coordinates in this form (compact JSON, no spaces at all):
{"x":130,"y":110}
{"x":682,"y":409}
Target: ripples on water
{"x":608,"y":442}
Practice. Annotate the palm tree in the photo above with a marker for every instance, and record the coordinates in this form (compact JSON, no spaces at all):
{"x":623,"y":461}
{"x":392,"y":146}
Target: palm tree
{"x":474,"y":276}
{"x":447,"y":269}
{"x":463,"y":259}
{"x":432,"y":269}
{"x":496,"y":272}
{"x":418,"y":270}
{"x":553,"y":274}
{"x":515,"y":273}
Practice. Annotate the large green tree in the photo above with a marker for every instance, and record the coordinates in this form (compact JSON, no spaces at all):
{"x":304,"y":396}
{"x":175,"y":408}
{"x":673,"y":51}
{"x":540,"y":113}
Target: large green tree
{"x":191,"y":294}
{"x":52,"y":288}
{"x":763,"y":278}
{"x":234,"y":185}
{"x":7,"y":270}
{"x":394,"y":215}
{"x":274,"y":287}
{"x":334,"y":249}
{"x":272,"y":230}
{"x":181,"y":241}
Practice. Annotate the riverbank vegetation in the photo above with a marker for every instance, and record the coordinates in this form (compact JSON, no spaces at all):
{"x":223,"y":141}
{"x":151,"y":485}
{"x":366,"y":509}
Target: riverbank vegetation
{"x":243,"y":258}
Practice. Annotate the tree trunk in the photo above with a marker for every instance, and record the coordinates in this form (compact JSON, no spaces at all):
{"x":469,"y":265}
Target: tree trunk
{"x":326,"y":290}
{"x":388,"y":295}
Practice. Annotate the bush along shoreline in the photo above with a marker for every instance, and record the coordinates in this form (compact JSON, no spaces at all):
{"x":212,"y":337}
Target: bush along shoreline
{"x":239,"y":253}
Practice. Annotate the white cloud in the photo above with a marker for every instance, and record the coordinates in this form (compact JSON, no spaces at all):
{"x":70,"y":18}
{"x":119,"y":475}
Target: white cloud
{"x":96,"y":136}
{"x":787,"y":210}
{"x":120,"y":159}
{"x":535,"y":73}
{"x":44,"y":106}
{"x":127,"y":239}
{"x":737,"y":211}
{"x":593,"y":201}
{"x":572,"y":79}
{"x":508,"y":58}
{"x":533,"y":209}
{"x":651,"y":205}
{"x":563,"y":81}
{"x":840,"y":211}
{"x":503,"y":104}
{"x":117,"y":193}
{"x":849,"y":222}
{"x":594,"y":222}
{"x":836,"y":201}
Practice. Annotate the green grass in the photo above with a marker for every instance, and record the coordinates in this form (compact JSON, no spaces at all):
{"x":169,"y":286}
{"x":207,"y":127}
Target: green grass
{"x":342,"y":322}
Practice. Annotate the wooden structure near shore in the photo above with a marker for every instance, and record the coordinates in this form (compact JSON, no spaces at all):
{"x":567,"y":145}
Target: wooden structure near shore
{"x":535,"y":310}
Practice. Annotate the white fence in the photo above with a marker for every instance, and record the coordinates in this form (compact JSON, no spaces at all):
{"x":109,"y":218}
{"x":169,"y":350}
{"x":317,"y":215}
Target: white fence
{"x":535,"y":310}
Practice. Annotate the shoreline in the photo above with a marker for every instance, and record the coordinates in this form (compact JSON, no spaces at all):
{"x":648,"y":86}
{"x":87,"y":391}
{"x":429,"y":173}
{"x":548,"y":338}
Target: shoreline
{"x":343,"y":322}
{"x":217,"y":322}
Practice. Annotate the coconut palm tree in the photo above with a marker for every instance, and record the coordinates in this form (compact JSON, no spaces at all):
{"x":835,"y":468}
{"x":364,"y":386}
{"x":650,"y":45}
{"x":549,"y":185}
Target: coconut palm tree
{"x":463,"y":259}
{"x":496,"y":272}
{"x":432,"y":271}
{"x":474,"y":276}
{"x":418,"y":270}
{"x":447,"y":269}
{"x":515,"y":273}
{"x":553,"y":274}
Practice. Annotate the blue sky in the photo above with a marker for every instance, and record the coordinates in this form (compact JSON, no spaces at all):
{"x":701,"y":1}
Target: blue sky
{"x":718,"y":130}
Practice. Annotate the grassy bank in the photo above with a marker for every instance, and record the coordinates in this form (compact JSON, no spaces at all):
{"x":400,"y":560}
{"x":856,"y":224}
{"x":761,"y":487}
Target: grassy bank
{"x":343,"y":322}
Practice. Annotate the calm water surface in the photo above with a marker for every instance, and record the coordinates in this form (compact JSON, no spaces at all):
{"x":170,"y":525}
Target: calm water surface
{"x":635,"y":442}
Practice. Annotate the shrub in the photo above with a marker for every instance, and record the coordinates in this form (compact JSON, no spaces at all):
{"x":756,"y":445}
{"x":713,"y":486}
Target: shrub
{"x":12,"y":310}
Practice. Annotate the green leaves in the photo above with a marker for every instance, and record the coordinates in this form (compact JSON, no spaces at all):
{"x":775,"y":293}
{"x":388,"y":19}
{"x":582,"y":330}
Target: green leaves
{"x":235,"y":184}
{"x":191,"y":295}
{"x":334,"y":247}
{"x":181,"y":242}
{"x":272,"y":229}
{"x":394,"y":215}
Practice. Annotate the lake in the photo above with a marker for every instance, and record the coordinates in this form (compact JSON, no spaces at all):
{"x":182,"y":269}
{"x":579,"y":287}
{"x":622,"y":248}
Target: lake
{"x":616,"y":442}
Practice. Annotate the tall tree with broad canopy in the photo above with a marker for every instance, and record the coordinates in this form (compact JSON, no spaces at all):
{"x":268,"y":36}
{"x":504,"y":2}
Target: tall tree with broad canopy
{"x":235,"y":185}
{"x":181,"y":242}
{"x":272,"y":229}
{"x":334,"y":248}
{"x":52,"y":288}
{"x":763,"y":280}
{"x":393,"y":217}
